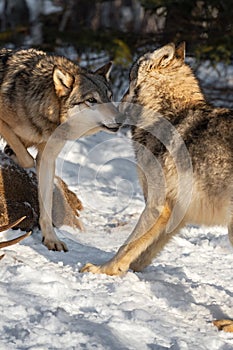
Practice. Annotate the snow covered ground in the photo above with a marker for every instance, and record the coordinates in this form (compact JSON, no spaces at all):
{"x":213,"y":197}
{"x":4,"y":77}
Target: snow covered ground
{"x":47,"y":304}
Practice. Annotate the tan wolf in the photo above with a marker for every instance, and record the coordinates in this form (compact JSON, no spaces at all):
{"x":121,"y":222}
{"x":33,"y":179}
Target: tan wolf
{"x":38,"y":93}
{"x":184,"y":152}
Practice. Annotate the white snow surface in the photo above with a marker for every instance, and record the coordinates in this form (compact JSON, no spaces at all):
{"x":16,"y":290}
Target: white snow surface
{"x":47,"y":304}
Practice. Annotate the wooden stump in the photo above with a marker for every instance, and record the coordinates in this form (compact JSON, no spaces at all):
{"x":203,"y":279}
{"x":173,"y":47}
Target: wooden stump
{"x":19,"y":197}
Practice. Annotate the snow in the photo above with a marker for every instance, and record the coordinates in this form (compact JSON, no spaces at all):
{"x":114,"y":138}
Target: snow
{"x":47,"y":304}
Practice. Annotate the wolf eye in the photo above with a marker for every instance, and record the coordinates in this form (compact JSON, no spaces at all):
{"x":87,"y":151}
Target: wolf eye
{"x":92,"y":100}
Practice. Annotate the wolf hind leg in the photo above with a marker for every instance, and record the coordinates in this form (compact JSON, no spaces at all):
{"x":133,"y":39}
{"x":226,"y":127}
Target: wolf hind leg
{"x":141,"y":238}
{"x":23,"y":157}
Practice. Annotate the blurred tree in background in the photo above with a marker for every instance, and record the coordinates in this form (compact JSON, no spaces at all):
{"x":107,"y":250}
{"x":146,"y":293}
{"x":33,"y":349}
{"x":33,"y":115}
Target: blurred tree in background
{"x":121,"y":27}
{"x":207,"y":25}
{"x":92,"y":32}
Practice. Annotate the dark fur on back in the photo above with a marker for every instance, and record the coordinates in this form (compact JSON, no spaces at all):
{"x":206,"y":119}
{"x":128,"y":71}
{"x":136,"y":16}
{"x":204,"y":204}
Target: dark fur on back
{"x":207,"y":133}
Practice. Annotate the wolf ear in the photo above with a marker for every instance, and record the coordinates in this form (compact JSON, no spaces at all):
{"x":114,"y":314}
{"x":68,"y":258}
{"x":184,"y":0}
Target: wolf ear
{"x":63,"y":82}
{"x":159,"y":58}
{"x":180,"y":51}
{"x":163,"y":56}
{"x":105,"y":70}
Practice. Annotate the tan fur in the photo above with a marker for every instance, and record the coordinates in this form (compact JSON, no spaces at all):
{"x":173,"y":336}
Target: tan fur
{"x":224,"y":325}
{"x":184,"y":152}
{"x":129,"y":252}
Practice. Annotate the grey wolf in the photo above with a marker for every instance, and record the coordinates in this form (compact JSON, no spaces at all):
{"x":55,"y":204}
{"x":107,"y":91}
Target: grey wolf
{"x":39,"y":93}
{"x":166,"y":105}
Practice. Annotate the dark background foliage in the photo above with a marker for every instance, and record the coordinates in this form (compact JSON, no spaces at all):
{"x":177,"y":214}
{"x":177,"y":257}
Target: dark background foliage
{"x":92,"y":32}
{"x":123,"y":27}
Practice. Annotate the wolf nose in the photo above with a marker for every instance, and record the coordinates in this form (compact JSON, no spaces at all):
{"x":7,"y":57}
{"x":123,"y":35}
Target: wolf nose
{"x":116,"y":124}
{"x":120,"y":119}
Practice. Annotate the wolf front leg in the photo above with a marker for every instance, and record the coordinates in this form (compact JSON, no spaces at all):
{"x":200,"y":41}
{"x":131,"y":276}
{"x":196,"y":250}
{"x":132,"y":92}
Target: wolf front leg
{"x":230,"y":231}
{"x":24,"y":158}
{"x":45,"y":172}
{"x":146,"y":257}
{"x":145,"y":233}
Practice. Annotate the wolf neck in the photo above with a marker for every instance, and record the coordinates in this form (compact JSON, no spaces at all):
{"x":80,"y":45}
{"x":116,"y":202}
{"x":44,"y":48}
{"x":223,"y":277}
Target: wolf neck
{"x":172,"y":94}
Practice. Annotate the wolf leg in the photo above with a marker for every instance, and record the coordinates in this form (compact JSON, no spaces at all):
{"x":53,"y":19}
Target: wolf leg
{"x":150,"y":253}
{"x":224,"y":325}
{"x":23,"y":157}
{"x":143,"y":182}
{"x":230,"y":231}
{"x":144,"y":234}
{"x":45,"y":173}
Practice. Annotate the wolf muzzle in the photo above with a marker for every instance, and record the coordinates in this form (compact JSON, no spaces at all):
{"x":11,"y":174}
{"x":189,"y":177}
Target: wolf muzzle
{"x":119,"y":121}
{"x":116,"y":119}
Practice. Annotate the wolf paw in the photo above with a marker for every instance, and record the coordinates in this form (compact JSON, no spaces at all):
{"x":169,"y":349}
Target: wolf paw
{"x":108,"y":269}
{"x":91,"y":268}
{"x":55,"y":245}
{"x":224,"y":325}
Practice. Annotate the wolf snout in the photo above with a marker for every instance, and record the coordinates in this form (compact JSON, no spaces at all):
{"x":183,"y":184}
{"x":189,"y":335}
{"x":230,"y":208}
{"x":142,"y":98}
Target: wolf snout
{"x":115,"y":124}
{"x":120,"y":119}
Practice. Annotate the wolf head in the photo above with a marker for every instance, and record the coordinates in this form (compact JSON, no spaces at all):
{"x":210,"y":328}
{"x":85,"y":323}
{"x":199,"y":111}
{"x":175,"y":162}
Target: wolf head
{"x":161,"y":80}
{"x":86,"y":98}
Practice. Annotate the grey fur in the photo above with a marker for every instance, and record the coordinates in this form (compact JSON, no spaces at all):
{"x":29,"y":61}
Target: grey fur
{"x":38,"y":93}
